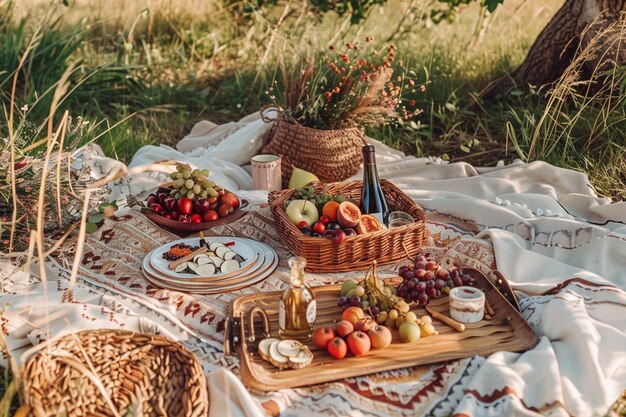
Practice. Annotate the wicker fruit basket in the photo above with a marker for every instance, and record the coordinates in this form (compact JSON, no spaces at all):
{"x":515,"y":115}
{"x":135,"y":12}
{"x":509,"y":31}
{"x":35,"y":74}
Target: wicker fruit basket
{"x":114,"y":373}
{"x":356,"y":252}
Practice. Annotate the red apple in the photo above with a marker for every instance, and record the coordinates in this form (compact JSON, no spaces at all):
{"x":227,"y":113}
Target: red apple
{"x":380,"y":336}
{"x":210,"y":216}
{"x":156,"y":207}
{"x":337,"y":348}
{"x":344,"y":328}
{"x":184,"y":206}
{"x":359,"y":343}
{"x":225,"y":209}
{"x":230,"y":198}
{"x":352,"y":314}
{"x":183,"y":218}
{"x":201,"y":205}
{"x":323,"y":335}
{"x":196,"y":218}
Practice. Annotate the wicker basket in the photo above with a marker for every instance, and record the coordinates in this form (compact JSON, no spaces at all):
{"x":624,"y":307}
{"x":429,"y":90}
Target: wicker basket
{"x":356,"y":252}
{"x":143,"y":375}
{"x":332,"y":155}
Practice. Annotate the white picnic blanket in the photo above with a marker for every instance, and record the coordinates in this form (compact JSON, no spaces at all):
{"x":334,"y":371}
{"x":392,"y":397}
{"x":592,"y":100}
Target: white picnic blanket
{"x":559,"y":244}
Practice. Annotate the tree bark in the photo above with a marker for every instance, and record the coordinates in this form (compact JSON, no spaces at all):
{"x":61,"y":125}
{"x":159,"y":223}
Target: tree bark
{"x":578,"y":26}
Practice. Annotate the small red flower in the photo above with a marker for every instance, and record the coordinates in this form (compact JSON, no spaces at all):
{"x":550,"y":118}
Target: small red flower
{"x":328,"y":94}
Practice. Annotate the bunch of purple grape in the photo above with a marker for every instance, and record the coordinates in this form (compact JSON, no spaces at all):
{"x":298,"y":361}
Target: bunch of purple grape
{"x":428,"y":279}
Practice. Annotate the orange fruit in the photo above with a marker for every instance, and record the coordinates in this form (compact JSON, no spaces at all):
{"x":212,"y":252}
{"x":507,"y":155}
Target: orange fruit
{"x":330,"y":209}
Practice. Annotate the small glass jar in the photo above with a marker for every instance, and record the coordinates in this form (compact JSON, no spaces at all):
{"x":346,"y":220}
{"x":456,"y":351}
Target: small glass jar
{"x":399,"y":219}
{"x":467,"y":304}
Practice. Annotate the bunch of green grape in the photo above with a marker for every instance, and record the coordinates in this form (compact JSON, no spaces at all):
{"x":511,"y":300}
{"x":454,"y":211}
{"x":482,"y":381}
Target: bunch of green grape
{"x":192,"y":184}
{"x":308,"y":193}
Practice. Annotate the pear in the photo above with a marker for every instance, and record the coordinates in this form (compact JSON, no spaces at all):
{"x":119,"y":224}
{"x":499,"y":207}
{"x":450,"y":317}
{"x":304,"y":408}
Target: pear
{"x":301,"y":178}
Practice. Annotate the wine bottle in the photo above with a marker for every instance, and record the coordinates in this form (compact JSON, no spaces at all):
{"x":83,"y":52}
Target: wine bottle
{"x":297,"y":307}
{"x":372,"y":197}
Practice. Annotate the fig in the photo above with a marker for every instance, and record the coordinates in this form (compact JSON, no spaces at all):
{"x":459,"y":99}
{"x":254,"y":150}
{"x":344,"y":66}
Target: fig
{"x":348,"y":214}
{"x":368,"y":224}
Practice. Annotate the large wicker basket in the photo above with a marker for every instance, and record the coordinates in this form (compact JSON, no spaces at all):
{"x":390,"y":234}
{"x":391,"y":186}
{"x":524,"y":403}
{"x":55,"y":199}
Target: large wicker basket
{"x":356,"y":252}
{"x":142,"y":375}
{"x":332,"y":155}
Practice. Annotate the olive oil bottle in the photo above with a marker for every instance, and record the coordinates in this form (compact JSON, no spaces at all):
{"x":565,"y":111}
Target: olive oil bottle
{"x":297,"y":307}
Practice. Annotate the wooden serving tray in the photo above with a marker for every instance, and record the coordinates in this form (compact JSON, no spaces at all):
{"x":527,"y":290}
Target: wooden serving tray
{"x":506,"y":331}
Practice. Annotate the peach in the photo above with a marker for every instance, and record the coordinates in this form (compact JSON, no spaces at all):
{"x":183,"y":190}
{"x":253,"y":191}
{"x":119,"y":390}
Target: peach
{"x":344,"y":328}
{"x":352,"y":314}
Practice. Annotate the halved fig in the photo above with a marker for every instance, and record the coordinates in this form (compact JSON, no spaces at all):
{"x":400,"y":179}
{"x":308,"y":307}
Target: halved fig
{"x":206,"y":270}
{"x":276,"y":358}
{"x":348,"y":214}
{"x":302,"y":359}
{"x":264,"y":347}
{"x":229,"y":266}
{"x":368,"y":224}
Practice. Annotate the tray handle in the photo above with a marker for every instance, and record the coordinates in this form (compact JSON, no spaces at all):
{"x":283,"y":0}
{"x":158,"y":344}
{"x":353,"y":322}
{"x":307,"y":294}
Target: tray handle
{"x":256,"y":310}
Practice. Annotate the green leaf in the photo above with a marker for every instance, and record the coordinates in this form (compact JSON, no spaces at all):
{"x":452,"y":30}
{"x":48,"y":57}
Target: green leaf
{"x":91,"y":227}
{"x":95,"y":218}
{"x":465,"y":149}
{"x":106,"y":204}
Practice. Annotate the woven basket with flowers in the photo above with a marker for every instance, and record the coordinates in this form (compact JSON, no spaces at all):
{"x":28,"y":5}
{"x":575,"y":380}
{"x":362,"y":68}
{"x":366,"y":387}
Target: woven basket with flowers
{"x":326,"y":101}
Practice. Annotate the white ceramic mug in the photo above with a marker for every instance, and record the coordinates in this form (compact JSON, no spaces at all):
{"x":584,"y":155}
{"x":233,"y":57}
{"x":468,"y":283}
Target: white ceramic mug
{"x":266,"y":172}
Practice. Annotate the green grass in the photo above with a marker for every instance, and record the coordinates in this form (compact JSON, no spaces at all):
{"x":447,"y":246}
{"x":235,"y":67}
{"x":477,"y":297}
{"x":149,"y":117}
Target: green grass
{"x":179,"y":62}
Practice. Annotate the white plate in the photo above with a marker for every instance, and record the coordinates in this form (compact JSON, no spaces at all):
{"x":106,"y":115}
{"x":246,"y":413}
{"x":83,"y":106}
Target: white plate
{"x":270,"y":264}
{"x":241,"y":247}
{"x":265,"y":255}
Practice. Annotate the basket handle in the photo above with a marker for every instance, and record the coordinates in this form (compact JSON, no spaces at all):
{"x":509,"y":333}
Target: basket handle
{"x":256,"y":310}
{"x":265,"y":117}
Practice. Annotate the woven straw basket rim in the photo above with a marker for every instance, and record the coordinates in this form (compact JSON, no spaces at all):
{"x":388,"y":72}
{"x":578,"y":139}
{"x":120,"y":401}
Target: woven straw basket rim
{"x":110,"y":372}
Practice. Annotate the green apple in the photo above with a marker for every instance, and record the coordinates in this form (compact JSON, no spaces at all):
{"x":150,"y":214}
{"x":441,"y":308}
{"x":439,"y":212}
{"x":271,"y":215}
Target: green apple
{"x":302,"y":210}
{"x":300,"y":178}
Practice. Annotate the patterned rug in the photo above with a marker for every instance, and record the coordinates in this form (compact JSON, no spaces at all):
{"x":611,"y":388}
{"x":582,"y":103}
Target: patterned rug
{"x":112,"y":262}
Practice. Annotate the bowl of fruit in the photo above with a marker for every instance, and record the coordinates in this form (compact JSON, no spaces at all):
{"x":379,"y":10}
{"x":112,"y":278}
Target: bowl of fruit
{"x":192,"y":202}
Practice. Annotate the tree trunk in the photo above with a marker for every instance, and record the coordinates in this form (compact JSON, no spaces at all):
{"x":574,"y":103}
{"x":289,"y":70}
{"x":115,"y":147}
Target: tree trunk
{"x":578,"y":26}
